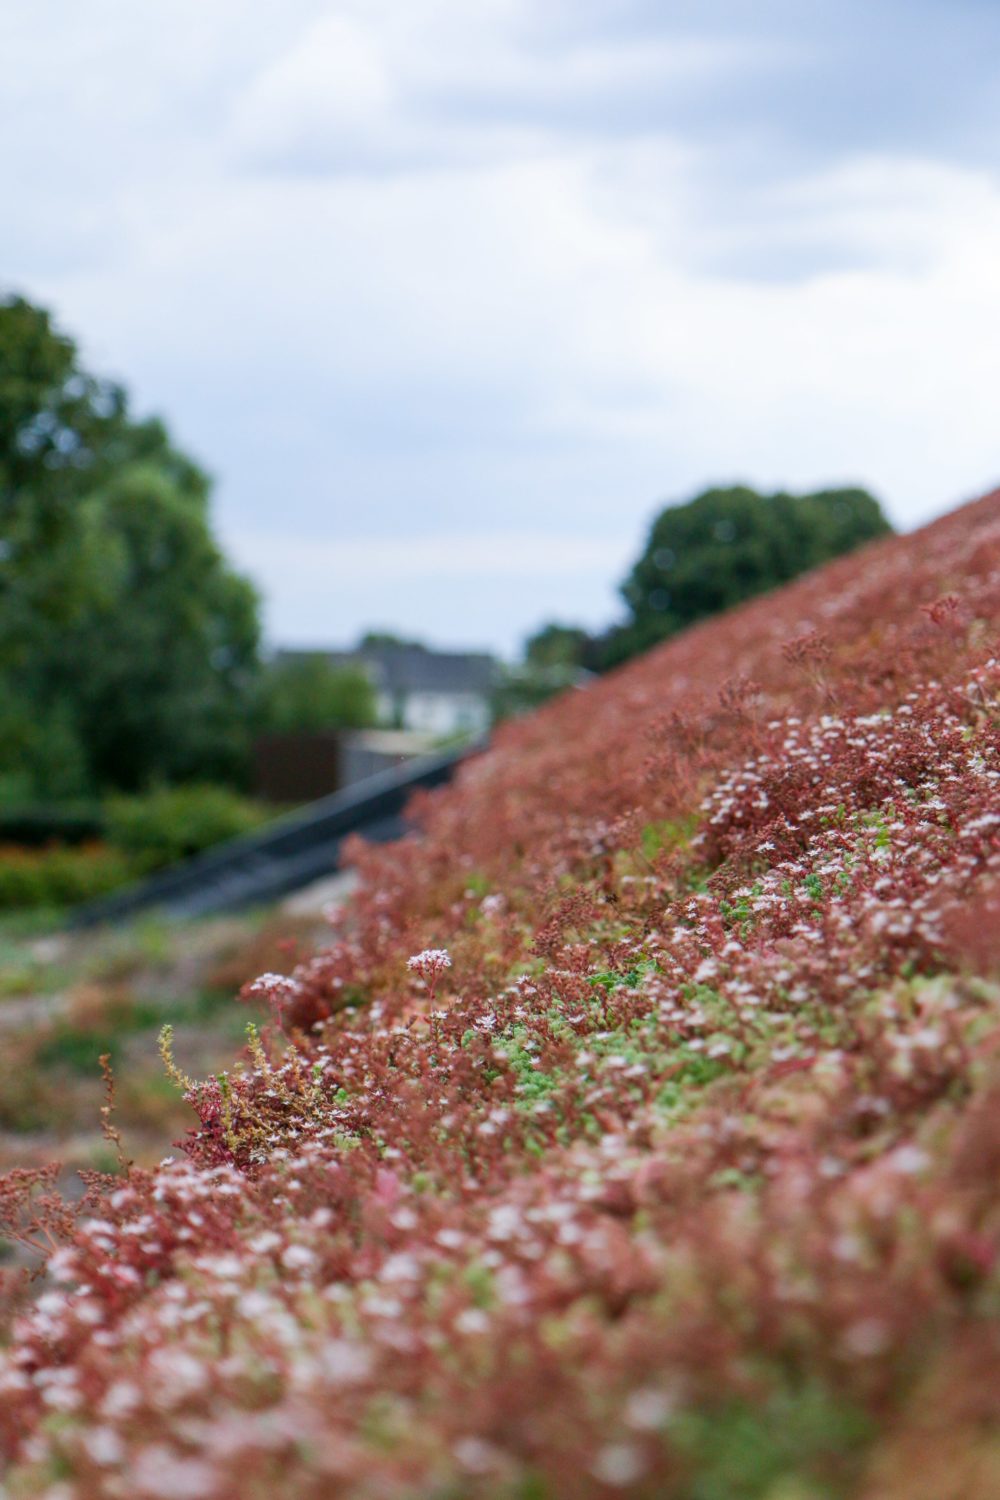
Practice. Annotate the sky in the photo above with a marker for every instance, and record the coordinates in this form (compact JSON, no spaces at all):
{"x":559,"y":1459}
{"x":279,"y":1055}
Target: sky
{"x":452,"y":296}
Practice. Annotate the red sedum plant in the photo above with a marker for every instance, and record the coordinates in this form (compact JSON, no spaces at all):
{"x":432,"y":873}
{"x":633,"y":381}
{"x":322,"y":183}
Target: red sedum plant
{"x":638,"y":1134}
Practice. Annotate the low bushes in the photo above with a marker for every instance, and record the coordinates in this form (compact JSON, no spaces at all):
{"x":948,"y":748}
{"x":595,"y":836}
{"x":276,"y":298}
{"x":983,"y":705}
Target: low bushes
{"x":51,"y":857}
{"x":60,"y":876}
{"x":175,"y":822}
{"x":35,"y":827}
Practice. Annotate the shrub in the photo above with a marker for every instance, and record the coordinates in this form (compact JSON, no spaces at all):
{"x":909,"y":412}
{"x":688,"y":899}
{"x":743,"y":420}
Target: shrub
{"x":302,"y":693}
{"x":51,"y":857}
{"x":59,"y":876}
{"x":35,"y":826}
{"x":164,"y":826}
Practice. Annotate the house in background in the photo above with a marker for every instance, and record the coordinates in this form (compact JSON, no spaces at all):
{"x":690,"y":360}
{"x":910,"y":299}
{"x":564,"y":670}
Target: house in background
{"x":431,"y":692}
{"x":435,"y":693}
{"x":422,"y":697}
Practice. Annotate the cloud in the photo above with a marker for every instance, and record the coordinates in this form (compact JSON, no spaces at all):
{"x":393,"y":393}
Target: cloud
{"x":542,"y":574}
{"x":361,"y":91}
{"x":430,"y":285}
{"x":915,"y":76}
{"x":366,"y":86}
{"x":324,"y":100}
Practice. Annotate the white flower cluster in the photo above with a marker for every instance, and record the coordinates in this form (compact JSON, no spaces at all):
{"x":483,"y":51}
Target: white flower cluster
{"x":432,"y":961}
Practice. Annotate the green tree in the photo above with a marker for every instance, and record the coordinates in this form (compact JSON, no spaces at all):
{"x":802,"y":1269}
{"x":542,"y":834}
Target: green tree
{"x":375,"y":639}
{"x":128,"y":649}
{"x":308,"y":692}
{"x":555,"y":658}
{"x":727,"y":545}
{"x":557,"y":645}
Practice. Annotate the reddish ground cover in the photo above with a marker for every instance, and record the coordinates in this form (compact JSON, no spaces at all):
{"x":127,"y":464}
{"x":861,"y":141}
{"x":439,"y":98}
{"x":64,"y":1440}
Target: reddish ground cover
{"x":639,"y":1133}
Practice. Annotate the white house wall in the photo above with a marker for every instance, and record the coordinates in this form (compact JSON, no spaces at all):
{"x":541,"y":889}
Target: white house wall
{"x":437,"y":713}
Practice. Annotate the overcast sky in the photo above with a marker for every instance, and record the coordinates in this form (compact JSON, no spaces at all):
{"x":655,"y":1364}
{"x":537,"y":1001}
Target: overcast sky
{"x":452,"y":295}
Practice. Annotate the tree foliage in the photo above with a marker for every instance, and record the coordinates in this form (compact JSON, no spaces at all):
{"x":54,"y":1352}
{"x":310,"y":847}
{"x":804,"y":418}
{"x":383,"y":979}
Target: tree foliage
{"x":308,"y":692}
{"x":128,"y":648}
{"x":558,"y":645}
{"x":556,"y":657}
{"x":373,"y":640}
{"x":727,"y":545}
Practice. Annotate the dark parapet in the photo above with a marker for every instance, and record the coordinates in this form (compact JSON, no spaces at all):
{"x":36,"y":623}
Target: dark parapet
{"x":285,"y":855}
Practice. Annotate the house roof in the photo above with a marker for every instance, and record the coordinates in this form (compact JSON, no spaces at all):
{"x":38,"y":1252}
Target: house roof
{"x":409,"y":669}
{"x":415,"y":669}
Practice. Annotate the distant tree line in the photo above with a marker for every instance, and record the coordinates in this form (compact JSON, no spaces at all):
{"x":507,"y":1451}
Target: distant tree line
{"x":725,"y":546}
{"x":130,"y":649}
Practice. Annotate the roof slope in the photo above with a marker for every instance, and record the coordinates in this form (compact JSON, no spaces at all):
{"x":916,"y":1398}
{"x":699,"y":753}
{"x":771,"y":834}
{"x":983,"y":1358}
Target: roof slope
{"x":638,"y":1133}
{"x":414,"y":669}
